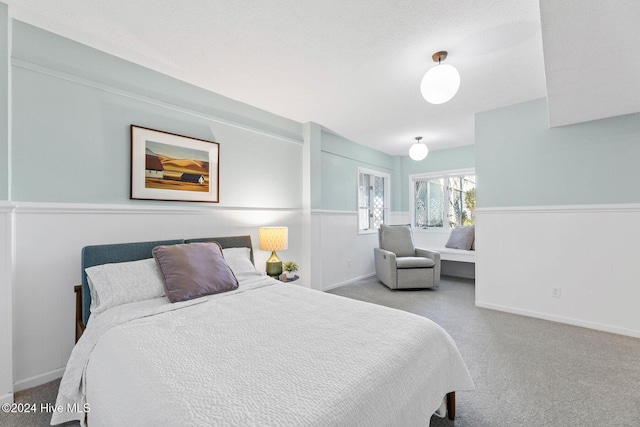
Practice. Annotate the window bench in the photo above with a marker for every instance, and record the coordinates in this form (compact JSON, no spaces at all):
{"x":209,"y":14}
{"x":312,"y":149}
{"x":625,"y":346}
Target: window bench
{"x":457,"y":262}
{"x":459,"y":255}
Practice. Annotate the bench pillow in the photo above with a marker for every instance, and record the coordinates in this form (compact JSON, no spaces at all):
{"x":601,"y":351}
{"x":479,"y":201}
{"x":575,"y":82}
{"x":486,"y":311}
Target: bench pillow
{"x":461,"y":237}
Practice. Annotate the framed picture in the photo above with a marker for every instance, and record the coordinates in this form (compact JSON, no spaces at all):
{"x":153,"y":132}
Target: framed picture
{"x":166,"y":166}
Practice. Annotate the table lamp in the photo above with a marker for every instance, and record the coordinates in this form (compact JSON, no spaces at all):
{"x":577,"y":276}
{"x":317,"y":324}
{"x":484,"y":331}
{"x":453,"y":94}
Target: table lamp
{"x":273,"y":239}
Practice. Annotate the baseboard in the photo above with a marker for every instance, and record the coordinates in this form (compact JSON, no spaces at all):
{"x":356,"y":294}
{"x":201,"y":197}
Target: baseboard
{"x":6,"y":398}
{"x":560,"y":319}
{"x":355,"y":279}
{"x":38,"y":380}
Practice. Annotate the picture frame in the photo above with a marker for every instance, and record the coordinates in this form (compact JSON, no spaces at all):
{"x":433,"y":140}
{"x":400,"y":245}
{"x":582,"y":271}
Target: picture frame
{"x":171,"y":167}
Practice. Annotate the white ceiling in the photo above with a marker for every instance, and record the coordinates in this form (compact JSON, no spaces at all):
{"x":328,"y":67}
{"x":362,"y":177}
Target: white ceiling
{"x":354,"y":66}
{"x":592,"y":59}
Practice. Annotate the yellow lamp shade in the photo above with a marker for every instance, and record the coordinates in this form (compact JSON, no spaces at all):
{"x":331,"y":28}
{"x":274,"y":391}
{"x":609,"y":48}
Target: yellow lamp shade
{"x":273,"y":238}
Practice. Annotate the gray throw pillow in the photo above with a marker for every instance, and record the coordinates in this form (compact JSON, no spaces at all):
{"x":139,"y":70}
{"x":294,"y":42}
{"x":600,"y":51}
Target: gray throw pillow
{"x":194,"y":270}
{"x":461,"y":237}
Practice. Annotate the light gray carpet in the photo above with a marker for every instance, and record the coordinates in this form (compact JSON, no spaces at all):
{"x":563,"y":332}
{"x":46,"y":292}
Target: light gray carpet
{"x":528,"y":372}
{"x":43,"y":394}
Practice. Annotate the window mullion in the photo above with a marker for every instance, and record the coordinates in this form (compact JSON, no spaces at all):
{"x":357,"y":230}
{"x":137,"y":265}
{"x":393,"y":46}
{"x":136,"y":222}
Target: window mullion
{"x":447,"y":202}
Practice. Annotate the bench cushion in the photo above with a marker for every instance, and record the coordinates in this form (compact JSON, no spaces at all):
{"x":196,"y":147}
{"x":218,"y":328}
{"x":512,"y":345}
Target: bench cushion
{"x":447,"y":254}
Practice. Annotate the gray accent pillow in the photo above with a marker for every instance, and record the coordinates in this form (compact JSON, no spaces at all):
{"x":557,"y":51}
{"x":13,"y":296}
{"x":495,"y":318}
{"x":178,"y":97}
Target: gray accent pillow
{"x":194,"y":270}
{"x":397,"y":239}
{"x":461,"y":237}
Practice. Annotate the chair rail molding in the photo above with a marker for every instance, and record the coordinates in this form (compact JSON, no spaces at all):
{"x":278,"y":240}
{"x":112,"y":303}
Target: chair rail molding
{"x":626,"y":207}
{"x":6,"y":206}
{"x":96,"y":208}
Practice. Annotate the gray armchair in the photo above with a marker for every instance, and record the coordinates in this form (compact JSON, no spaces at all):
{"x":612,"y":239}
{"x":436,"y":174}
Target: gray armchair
{"x":400,"y":265}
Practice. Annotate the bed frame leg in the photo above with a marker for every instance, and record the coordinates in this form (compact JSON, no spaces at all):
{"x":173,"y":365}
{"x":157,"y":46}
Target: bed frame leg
{"x":451,"y":405}
{"x":79,"y":324}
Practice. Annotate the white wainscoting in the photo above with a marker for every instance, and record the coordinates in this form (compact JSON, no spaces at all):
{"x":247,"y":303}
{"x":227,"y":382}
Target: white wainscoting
{"x":589,"y":252}
{"x":48,"y":241}
{"x":6,"y":340}
{"x":346,"y":255}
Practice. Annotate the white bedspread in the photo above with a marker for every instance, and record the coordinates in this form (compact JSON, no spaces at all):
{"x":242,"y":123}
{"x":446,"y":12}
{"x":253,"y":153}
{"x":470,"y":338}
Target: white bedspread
{"x":267,"y":354}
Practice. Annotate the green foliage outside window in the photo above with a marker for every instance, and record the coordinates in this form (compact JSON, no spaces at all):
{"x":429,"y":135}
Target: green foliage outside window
{"x":451,"y":199}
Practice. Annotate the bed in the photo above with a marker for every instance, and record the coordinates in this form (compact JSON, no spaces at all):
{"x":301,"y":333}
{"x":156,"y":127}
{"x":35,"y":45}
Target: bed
{"x":262,"y":353}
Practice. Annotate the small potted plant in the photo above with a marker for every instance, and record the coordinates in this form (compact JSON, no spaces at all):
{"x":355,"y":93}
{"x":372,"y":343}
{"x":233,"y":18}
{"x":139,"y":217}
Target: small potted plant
{"x":290,"y":269}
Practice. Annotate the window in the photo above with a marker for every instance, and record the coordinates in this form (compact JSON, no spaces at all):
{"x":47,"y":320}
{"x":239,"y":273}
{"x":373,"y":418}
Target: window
{"x":373,"y":199}
{"x":443,"y":200}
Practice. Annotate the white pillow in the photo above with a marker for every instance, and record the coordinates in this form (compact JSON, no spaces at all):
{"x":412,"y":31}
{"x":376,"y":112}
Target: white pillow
{"x":122,"y":283}
{"x":238,"y":259}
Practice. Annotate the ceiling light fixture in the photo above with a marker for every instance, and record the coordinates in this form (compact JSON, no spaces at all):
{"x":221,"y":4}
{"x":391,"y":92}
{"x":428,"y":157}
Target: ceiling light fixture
{"x":441,"y":82}
{"x":419,"y":150}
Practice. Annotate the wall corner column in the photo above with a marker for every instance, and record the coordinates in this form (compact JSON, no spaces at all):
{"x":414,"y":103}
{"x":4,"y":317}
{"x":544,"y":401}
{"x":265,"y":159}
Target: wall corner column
{"x":6,"y":215}
{"x":311,"y":199}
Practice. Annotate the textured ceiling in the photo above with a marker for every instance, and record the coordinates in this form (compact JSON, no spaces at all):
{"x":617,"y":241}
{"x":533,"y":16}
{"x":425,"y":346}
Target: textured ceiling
{"x":352,"y":66}
{"x":592,"y":58}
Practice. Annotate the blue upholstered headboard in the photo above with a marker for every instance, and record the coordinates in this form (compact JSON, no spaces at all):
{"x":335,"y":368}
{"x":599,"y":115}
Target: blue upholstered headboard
{"x":122,"y":252}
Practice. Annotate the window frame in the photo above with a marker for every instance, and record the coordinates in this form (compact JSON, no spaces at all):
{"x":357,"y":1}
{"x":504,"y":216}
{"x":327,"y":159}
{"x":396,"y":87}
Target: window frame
{"x":387,"y":198}
{"x":451,"y":173}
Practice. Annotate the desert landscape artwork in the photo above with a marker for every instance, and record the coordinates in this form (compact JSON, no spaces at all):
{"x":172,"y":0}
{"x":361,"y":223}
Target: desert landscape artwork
{"x":175,"y":168}
{"x":166,"y":166}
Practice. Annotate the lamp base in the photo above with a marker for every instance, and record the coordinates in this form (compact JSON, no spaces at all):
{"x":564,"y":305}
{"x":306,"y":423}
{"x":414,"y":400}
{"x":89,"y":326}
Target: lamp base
{"x":274,"y":265}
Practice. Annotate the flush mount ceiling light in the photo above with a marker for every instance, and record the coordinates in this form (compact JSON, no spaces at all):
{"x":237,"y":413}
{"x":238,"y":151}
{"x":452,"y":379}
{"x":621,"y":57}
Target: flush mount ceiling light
{"x":419,"y":150}
{"x":441,"y":82}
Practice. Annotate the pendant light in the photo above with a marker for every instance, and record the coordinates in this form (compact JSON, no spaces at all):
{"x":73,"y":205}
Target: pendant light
{"x":419,"y":150}
{"x":441,"y":82}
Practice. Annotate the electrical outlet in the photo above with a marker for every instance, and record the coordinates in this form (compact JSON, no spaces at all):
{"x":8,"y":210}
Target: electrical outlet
{"x":556,"y":292}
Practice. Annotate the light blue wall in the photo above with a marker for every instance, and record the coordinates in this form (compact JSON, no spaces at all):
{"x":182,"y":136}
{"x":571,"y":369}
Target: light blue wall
{"x":520,"y":161}
{"x":340,"y":159}
{"x":312,"y":193}
{"x":72,"y":108}
{"x":4,"y":102}
{"x":440,"y":160}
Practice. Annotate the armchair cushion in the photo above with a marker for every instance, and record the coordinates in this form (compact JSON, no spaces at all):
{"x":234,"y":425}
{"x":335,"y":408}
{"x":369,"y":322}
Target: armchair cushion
{"x":397,"y":239}
{"x":414,"y":262}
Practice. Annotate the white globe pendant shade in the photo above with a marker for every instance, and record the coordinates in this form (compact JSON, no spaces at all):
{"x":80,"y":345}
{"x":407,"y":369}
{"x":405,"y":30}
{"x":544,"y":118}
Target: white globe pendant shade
{"x":440,"y":84}
{"x":418,"y":151}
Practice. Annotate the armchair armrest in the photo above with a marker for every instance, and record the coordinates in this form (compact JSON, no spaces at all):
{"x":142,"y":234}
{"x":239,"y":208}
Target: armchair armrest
{"x":427,"y":253}
{"x":435,"y":256}
{"x":385,"y":263}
